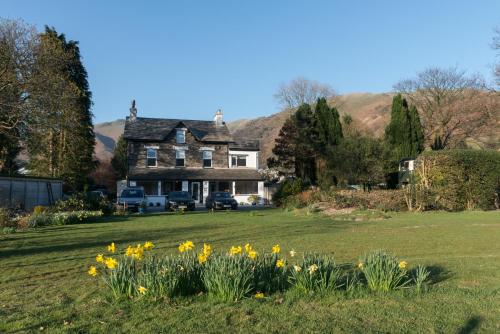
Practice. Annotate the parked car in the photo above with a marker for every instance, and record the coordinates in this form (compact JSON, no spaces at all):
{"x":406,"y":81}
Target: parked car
{"x":180,"y":200}
{"x":131,"y":198}
{"x":221,"y":200}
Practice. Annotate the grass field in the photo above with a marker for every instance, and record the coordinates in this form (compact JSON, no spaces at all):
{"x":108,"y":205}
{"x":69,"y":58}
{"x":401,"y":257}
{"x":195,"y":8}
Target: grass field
{"x":45,"y":288}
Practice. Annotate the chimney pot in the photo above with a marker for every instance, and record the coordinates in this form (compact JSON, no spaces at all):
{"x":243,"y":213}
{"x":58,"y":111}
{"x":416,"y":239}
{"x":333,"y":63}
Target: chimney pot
{"x":218,"y":118}
{"x":133,"y":111}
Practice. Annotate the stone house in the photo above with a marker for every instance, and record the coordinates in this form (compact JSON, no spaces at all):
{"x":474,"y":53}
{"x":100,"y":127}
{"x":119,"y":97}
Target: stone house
{"x":190,"y":155}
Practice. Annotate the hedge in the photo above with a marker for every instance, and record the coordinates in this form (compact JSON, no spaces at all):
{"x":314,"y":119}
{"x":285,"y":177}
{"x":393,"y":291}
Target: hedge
{"x":457,"y":179}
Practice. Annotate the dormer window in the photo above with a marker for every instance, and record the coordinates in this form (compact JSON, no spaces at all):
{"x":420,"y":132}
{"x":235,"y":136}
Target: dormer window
{"x":207,"y":159}
{"x":180,"y":136}
{"x":180,"y":156}
{"x":151,"y":157}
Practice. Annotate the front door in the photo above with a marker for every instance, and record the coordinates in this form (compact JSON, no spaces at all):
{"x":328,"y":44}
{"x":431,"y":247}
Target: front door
{"x":195,"y":191}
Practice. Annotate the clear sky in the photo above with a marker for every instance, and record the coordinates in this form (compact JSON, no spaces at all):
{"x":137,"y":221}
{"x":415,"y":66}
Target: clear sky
{"x":185,"y":59}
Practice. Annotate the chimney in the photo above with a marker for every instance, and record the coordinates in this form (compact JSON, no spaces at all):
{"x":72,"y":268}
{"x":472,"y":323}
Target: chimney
{"x":133,"y":112}
{"x":218,"y":118}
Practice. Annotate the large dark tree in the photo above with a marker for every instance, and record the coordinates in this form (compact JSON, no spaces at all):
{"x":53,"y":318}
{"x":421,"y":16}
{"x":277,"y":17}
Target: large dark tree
{"x":305,"y":157}
{"x":285,"y":149}
{"x":61,"y":138}
{"x":119,"y":160}
{"x":403,"y":134}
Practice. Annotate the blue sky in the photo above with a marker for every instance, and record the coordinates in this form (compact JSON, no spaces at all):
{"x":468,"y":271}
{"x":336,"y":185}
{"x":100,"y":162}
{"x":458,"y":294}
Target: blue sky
{"x":185,"y":59}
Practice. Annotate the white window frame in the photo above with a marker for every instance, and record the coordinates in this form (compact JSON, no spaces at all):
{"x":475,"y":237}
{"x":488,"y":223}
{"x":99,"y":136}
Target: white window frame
{"x":239,"y":155}
{"x":155,"y":150}
{"x":204,"y":158}
{"x":178,"y":133}
{"x":178,"y":157}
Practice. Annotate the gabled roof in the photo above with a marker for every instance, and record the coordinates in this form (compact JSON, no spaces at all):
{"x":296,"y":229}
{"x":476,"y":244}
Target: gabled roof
{"x":157,"y":129}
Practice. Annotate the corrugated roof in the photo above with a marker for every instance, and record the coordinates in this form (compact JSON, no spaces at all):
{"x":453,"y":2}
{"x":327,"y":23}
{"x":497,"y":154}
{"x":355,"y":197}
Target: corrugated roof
{"x":207,"y":174}
{"x":157,"y":129}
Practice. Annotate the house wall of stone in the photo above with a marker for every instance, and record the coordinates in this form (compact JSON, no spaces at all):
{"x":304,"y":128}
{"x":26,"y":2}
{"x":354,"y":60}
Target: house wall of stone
{"x":166,"y":152}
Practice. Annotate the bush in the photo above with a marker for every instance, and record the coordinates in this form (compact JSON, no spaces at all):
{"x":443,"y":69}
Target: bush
{"x":39,"y":220}
{"x":6,"y":219}
{"x":384,"y":272}
{"x":457,"y":180}
{"x":287,"y":188}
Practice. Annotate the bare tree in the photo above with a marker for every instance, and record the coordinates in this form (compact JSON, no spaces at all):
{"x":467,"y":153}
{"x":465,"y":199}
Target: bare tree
{"x":496,"y":46}
{"x":452,"y":105}
{"x":17,"y":44}
{"x":302,"y":90}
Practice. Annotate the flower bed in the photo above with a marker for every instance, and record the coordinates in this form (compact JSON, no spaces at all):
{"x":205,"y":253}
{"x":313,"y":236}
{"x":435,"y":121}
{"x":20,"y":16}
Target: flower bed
{"x":243,"y":272}
{"x":62,"y":218}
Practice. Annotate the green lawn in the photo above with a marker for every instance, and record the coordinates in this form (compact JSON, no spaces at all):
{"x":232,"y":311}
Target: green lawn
{"x":44,"y":282}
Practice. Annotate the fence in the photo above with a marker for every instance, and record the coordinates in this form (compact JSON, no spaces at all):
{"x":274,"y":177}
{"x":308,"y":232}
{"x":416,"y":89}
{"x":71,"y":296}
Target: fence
{"x":27,"y":192}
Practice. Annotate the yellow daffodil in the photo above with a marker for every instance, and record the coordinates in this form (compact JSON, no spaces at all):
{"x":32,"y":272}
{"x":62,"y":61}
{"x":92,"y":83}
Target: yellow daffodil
{"x":235,"y":250}
{"x":202,"y":258}
{"x":129,"y":251}
{"x":182,"y":248}
{"x":252,"y":254}
{"x":259,"y":295}
{"x":312,"y":268}
{"x":292,"y":253}
{"x":207,"y":249}
{"x":110,"y":263}
{"x":248,"y":248}
{"x":148,"y":245}
{"x":92,"y":271}
{"x":138,"y":252}
{"x":276,"y":249}
{"x":403,"y":264}
{"x":280,"y":263}
{"x":297,"y":268}
{"x":112,"y":247}
{"x":185,"y":246}
{"x":142,"y":290}
{"x":99,"y":258}
{"x":360,"y":265}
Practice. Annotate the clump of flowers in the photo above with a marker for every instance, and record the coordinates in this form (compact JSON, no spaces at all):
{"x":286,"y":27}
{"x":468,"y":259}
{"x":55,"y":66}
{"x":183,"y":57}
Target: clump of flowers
{"x":243,"y":273}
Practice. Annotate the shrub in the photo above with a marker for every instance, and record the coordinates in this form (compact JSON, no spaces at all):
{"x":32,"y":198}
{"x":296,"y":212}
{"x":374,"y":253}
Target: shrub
{"x":286,"y":189}
{"x":316,"y":273}
{"x":6,"y":219}
{"x":383,"y":272}
{"x":39,"y":209}
{"x":457,"y":179}
{"x":39,"y":220}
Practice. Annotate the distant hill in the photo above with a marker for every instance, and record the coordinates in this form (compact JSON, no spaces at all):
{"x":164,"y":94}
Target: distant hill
{"x":106,"y":135}
{"x":370,"y":111}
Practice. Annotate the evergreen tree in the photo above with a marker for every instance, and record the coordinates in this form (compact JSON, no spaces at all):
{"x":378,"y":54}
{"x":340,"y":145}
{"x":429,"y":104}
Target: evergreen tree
{"x":119,"y":161}
{"x":326,"y":126}
{"x":305,"y":157}
{"x":285,"y":149}
{"x":62,"y":141}
{"x":403,"y":134}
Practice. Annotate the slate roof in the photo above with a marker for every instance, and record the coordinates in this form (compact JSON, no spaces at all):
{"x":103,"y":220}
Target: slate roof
{"x":157,"y":129}
{"x":245,"y":145}
{"x":206,"y":174}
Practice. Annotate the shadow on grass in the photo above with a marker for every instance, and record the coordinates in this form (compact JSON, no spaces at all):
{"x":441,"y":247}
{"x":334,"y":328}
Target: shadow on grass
{"x":471,"y":326}
{"x":438,"y":274}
